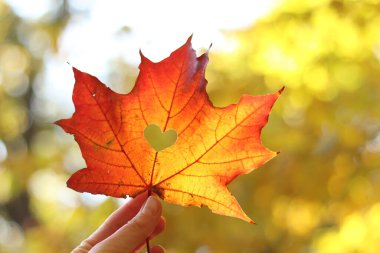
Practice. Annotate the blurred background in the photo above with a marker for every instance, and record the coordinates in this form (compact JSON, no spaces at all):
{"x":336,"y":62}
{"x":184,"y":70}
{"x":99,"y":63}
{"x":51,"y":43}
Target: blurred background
{"x":320,"y":195}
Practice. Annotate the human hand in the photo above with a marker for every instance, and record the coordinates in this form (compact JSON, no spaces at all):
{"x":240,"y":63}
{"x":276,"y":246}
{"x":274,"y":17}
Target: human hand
{"x":126,"y":230}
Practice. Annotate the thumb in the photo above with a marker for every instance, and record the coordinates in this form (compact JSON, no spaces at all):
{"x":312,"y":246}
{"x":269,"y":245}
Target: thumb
{"x":134,"y":233}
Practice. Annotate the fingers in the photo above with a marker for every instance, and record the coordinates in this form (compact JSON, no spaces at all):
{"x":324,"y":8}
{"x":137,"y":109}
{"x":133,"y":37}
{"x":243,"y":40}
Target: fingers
{"x":117,"y":219}
{"x":153,"y":249}
{"x":131,"y":235}
{"x":84,"y":247}
{"x":158,"y":229}
{"x":157,"y":249}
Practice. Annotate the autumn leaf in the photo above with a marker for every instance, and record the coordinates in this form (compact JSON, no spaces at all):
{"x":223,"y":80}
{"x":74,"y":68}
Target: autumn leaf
{"x":210,"y":146}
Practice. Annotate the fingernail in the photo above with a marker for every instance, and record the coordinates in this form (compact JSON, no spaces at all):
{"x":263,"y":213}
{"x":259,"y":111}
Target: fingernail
{"x":151,"y":205}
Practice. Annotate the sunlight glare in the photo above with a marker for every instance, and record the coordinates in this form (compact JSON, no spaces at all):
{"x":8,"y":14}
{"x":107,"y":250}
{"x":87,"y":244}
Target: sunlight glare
{"x":119,"y":29}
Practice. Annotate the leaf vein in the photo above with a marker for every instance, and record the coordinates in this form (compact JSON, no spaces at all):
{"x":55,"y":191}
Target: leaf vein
{"x":116,"y":137}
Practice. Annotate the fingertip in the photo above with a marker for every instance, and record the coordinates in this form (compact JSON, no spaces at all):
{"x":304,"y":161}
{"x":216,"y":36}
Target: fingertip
{"x":140,"y":198}
{"x":163,"y":221}
{"x":85,"y":246}
{"x":159,"y":227}
{"x":134,"y":204}
{"x":152,"y":207}
{"x":157,"y":249}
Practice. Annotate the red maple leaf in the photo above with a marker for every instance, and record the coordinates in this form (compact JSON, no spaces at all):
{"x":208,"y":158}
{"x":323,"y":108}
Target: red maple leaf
{"x":213,"y":147}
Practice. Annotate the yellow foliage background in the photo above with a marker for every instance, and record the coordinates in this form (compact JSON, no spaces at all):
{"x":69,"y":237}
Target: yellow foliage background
{"x":320,"y":195}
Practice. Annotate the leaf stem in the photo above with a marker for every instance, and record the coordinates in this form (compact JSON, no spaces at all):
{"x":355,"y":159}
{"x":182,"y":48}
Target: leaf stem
{"x":147,"y":239}
{"x":147,"y":245}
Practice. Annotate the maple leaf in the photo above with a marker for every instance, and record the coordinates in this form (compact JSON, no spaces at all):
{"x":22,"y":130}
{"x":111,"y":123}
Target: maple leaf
{"x":213,"y":146}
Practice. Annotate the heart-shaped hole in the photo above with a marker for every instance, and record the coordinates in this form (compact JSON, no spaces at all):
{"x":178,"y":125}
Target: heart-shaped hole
{"x":159,"y":140}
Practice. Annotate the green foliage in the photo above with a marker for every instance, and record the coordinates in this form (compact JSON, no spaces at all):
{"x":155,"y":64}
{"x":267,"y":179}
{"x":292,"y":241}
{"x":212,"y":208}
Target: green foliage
{"x":320,"y":194}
